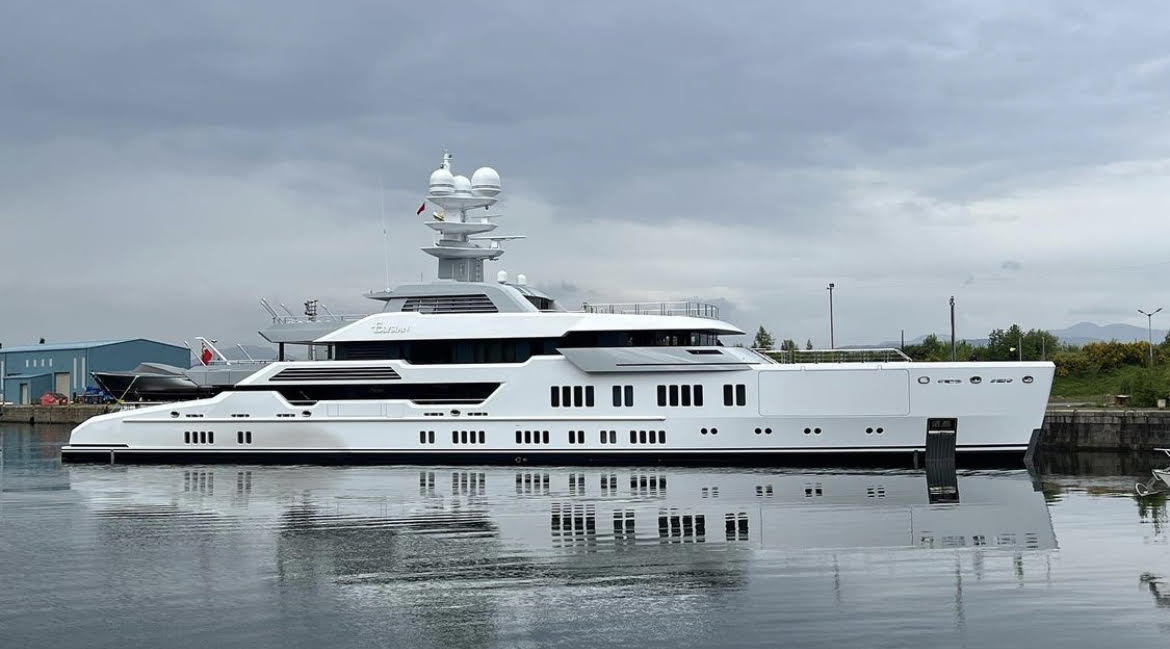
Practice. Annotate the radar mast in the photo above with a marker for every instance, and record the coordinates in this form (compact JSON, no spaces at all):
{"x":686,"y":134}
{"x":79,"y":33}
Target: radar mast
{"x":460,"y":253}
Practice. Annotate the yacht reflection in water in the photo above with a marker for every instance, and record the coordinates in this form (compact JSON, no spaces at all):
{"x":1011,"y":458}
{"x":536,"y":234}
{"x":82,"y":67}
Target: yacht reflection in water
{"x":472,"y":556}
{"x":549,"y":512}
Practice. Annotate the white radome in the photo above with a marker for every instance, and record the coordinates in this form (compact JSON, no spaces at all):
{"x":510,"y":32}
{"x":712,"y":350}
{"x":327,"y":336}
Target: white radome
{"x":462,"y":186}
{"x":485,"y":182}
{"x":442,"y":183}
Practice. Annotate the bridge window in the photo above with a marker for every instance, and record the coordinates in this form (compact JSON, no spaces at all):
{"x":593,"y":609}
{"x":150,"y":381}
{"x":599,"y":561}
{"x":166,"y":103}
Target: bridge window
{"x":419,"y":393}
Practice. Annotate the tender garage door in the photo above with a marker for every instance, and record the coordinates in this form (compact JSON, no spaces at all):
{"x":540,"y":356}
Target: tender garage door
{"x":844,"y":392}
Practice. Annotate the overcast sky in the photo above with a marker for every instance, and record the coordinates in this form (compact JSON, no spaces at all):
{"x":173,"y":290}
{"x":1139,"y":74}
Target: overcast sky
{"x":164,"y":165}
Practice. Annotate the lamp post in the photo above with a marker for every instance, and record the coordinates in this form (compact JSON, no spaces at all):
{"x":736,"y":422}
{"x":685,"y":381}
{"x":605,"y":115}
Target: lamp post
{"x":832,"y":342}
{"x":954,"y":355}
{"x":1150,"y":330}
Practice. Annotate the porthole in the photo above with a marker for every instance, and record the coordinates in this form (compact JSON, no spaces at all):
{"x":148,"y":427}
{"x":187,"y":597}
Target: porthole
{"x":703,"y":431}
{"x":816,"y":431}
{"x":1027,"y":379}
{"x":976,"y":379}
{"x":924,"y":380}
{"x":306,"y":413}
{"x":868,"y":431}
{"x":758,"y":431}
{"x":714,"y":431}
{"x":767,"y":431}
{"x":807,"y":431}
{"x":880,"y":430}
{"x":174,"y":414}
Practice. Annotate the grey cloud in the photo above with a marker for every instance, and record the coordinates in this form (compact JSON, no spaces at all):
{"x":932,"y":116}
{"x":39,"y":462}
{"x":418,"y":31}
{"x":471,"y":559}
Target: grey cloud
{"x":235,"y":151}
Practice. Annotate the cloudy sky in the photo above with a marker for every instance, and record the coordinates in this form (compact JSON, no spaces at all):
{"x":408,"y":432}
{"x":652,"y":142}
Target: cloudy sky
{"x":164,"y":165}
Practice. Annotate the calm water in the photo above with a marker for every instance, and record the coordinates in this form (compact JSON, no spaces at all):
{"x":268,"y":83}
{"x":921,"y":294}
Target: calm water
{"x":208,"y":556}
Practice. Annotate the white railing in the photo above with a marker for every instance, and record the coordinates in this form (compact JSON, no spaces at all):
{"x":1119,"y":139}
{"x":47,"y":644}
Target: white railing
{"x":860,"y":355}
{"x":241,"y":363}
{"x":693,"y":309}
{"x":305,"y":320}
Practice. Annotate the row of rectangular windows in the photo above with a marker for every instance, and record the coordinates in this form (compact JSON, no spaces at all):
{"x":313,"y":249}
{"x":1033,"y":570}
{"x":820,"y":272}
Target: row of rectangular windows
{"x":243,"y":437}
{"x":532,"y":437}
{"x":467,"y":437}
{"x":735,"y":395}
{"x":199,"y":437}
{"x":540,"y":437}
{"x":577,"y":396}
{"x":680,"y":395}
{"x":654,"y":437}
{"x":623,"y":396}
{"x":571,"y":396}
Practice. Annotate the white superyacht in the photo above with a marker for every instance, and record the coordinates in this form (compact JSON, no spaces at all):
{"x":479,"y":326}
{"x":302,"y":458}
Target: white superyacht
{"x":463,"y":369}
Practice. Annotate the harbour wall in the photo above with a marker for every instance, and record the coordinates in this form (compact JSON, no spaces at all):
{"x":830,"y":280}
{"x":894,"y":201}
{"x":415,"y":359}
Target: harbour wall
{"x":68,"y":414}
{"x":1066,"y":430}
{"x":1101,"y":429}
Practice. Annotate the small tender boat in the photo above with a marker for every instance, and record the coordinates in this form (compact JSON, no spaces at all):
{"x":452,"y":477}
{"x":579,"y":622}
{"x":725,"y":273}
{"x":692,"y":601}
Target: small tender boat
{"x":1157,"y":484}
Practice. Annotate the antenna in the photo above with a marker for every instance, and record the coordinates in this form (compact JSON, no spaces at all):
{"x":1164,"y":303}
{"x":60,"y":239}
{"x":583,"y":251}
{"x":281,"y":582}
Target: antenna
{"x":385,"y":232}
{"x":286,"y":310}
{"x":267,"y":307}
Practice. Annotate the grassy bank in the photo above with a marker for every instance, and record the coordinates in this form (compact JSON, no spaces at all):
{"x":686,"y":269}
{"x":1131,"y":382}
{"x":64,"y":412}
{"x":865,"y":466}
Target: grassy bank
{"x":1099,"y":387}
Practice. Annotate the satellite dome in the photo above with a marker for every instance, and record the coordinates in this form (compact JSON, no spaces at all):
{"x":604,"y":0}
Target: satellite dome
{"x":462,"y":186}
{"x":442,"y":183}
{"x":485,"y":182}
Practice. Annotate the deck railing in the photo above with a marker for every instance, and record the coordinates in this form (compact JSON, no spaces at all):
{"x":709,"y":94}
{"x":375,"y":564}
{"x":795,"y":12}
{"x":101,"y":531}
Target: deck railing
{"x":305,"y":320}
{"x":860,"y":355}
{"x":693,"y":309}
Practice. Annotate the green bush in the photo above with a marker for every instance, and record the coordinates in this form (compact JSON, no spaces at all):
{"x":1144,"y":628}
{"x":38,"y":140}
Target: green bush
{"x":1074,"y":363}
{"x":1145,"y":388}
{"x":1112,"y":355}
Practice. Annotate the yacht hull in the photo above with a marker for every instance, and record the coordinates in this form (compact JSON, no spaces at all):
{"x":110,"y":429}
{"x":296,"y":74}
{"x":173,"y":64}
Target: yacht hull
{"x":876,"y":413}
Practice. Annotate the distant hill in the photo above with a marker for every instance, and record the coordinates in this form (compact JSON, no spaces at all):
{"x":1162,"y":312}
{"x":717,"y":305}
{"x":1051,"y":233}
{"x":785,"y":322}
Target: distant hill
{"x":1078,"y":334}
{"x":1085,"y":332}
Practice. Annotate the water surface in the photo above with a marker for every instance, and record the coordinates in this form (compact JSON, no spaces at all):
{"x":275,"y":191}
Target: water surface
{"x":305,"y":556}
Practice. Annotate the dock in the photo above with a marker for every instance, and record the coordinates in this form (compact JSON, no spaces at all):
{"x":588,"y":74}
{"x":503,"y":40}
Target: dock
{"x":73,"y":413}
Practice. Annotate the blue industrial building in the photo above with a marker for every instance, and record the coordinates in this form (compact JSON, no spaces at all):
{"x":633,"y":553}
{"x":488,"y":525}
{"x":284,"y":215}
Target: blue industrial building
{"x":28,"y":372}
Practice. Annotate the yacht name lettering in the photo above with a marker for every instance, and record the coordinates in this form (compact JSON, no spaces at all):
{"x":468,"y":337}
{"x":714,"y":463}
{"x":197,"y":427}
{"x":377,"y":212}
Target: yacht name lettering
{"x":387,"y":328}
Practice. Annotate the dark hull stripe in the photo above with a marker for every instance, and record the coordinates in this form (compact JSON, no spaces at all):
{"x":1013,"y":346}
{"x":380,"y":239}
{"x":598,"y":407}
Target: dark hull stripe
{"x":998,"y":455}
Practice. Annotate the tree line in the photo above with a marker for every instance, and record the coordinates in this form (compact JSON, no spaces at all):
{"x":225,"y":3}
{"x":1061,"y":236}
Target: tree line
{"x":1014,"y":343}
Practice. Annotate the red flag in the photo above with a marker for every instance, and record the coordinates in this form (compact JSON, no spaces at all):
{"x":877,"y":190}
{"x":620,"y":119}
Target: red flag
{"x":206,"y":356}
{"x":421,"y":208}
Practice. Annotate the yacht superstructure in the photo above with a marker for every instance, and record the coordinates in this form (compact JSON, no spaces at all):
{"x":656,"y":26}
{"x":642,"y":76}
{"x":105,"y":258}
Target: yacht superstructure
{"x":465,"y":369}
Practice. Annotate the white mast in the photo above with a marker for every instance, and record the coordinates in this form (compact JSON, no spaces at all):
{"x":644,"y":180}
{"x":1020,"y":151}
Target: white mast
{"x":460,"y":257}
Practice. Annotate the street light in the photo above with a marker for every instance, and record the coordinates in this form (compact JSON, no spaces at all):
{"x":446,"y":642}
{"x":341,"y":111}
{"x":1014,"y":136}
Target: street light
{"x":1150,"y":330}
{"x":832,"y":344}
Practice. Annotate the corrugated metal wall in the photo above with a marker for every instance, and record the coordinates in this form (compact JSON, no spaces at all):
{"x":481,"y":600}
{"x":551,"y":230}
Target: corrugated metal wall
{"x":38,"y":368}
